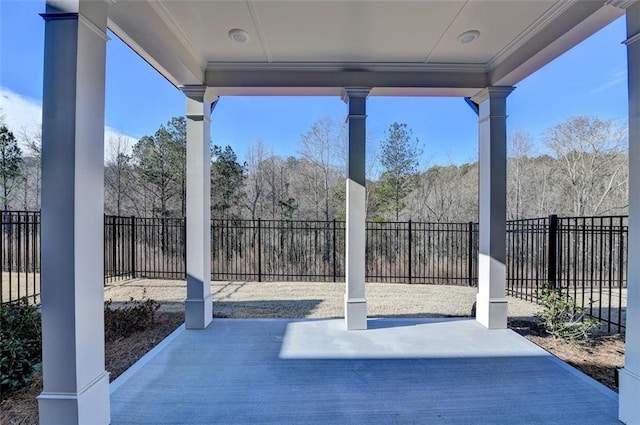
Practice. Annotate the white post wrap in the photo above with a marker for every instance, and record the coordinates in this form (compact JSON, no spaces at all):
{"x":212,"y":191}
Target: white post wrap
{"x":629,"y":393}
{"x":76,"y":385}
{"x":354,"y":299}
{"x":199,"y":303}
{"x":491,"y":302}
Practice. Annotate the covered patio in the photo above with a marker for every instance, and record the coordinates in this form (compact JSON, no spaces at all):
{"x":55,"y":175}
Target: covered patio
{"x":354,"y":49}
{"x":400,"y":371}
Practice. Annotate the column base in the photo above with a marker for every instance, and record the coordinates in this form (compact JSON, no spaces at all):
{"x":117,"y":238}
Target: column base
{"x":629,"y":394}
{"x":491,"y":312}
{"x":89,"y":405}
{"x":355,"y":313}
{"x":198,"y":313}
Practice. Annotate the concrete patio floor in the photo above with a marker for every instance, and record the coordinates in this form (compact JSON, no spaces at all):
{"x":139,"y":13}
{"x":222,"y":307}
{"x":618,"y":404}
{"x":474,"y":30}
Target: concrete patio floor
{"x":400,"y":371}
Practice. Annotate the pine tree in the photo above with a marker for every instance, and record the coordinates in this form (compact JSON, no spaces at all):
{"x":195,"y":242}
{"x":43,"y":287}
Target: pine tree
{"x":400,"y":152}
{"x":227,"y":181}
{"x":10,"y":161}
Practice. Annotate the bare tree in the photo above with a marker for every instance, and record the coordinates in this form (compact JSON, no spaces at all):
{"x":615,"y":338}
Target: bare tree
{"x":31,"y":168}
{"x":590,"y":154}
{"x":520,"y":152}
{"x":118,"y":176}
{"x":445,"y":193}
{"x":323,"y":147}
{"x":255,"y":180}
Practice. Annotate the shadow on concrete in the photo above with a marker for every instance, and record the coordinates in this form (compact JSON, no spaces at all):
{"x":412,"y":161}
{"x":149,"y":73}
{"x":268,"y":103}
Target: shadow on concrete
{"x":261,"y":309}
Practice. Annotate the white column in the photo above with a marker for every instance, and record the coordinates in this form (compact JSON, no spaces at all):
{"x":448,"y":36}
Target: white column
{"x":491,"y":302}
{"x":629,"y":393}
{"x":355,"y":303}
{"x":199,"y":303}
{"x":76,"y":385}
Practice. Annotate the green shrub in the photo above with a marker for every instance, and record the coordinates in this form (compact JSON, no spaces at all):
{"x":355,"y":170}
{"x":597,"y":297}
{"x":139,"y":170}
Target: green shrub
{"x":132,"y":316}
{"x":20,"y":344}
{"x":562,"y":318}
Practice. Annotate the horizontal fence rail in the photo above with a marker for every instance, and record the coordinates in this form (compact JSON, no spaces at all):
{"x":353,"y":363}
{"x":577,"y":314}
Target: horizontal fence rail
{"x":585,"y":256}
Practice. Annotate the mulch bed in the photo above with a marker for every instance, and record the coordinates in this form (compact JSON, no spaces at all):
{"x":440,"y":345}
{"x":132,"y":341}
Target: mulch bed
{"x":22,"y":407}
{"x":599,"y":358}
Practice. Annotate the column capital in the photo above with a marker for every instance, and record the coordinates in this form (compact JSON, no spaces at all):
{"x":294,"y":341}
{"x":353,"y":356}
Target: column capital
{"x":492,"y":92}
{"x":199,"y":93}
{"x":629,"y":41}
{"x":93,"y":14}
{"x":349,"y":92}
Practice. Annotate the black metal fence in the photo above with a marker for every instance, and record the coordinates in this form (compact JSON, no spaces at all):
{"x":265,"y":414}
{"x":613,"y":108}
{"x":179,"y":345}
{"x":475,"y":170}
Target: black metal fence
{"x":20,"y":256}
{"x":586,"y":256}
{"x":144,"y":247}
{"x":415,"y":252}
{"x":592,"y":265}
{"x":410,"y":252}
{"x":267,"y":250}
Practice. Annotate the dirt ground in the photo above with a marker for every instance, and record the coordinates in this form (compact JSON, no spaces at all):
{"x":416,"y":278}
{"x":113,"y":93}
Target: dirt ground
{"x":22,"y":407}
{"x":599,"y":359}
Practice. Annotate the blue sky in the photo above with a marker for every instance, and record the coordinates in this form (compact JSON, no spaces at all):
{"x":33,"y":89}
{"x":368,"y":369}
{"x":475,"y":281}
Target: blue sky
{"x":588,"y":80}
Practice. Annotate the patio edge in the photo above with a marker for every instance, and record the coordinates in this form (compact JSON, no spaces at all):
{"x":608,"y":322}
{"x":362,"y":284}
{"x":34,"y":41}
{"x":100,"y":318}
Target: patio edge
{"x":117,"y":383}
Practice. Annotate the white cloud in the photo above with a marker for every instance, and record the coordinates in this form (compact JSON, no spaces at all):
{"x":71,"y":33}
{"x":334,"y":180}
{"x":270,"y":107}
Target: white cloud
{"x":618,"y":77}
{"x":24,"y":115}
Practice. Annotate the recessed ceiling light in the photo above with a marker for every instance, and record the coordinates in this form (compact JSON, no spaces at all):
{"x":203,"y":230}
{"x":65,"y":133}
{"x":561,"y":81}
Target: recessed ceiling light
{"x":239,"y":35}
{"x":468,"y":36}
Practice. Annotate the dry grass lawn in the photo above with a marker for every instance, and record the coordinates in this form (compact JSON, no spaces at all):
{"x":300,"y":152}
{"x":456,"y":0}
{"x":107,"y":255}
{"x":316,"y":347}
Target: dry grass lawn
{"x":313,"y":299}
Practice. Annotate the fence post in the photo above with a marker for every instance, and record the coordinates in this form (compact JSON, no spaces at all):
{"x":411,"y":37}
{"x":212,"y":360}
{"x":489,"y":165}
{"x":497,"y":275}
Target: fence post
{"x":409,"y":241}
{"x":334,"y":250}
{"x":114,"y":247}
{"x":104,"y":250}
{"x":184,"y":246}
{"x":133,"y":246}
{"x":259,"y":251}
{"x":552,"y":250}
{"x":470,"y":253}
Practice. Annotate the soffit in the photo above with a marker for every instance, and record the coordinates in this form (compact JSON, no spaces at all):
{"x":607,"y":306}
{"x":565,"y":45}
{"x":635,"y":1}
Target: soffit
{"x":404,"y":43}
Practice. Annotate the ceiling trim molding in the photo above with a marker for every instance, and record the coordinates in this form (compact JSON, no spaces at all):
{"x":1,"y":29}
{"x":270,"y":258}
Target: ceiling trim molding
{"x":244,"y":78}
{"x":93,"y":27}
{"x":538,"y":25}
{"x":260,"y":30}
{"x":622,"y":4}
{"x":170,"y":21}
{"x":346,"y":66}
{"x":337,"y":91}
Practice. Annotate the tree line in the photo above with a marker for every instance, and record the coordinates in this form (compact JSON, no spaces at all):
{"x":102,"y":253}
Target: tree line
{"x":578,"y":167}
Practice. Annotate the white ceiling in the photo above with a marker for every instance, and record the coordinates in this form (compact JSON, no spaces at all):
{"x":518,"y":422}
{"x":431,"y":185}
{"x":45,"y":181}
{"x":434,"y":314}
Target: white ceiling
{"x":324,"y":45}
{"x":340,"y":31}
